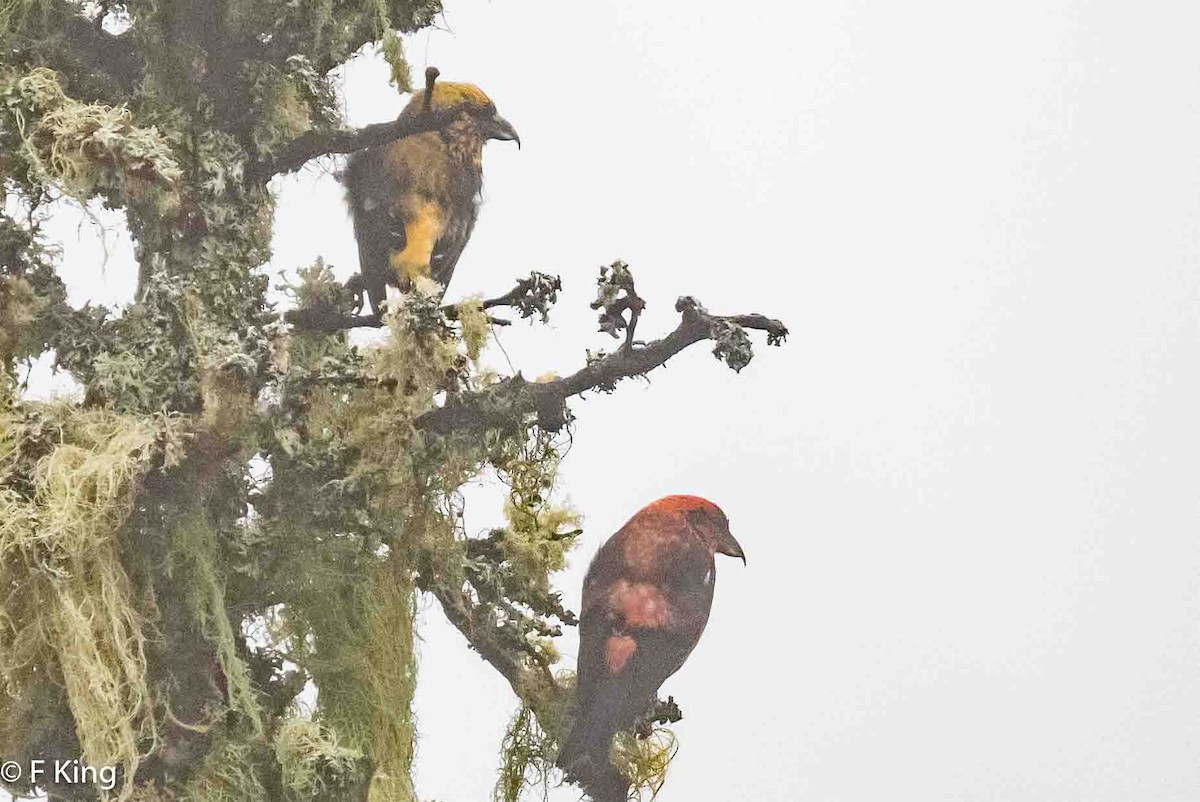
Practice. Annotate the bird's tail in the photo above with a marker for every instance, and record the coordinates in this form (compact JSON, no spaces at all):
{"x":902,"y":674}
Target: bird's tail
{"x":585,"y":754}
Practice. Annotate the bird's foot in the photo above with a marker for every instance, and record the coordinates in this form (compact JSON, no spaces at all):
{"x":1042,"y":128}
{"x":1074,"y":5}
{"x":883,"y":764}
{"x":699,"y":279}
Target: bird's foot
{"x":660,"y":712}
{"x":356,"y":285}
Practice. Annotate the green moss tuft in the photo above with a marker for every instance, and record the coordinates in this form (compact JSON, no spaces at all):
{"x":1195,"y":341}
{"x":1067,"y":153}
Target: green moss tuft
{"x":476,"y":328}
{"x":232,"y":771}
{"x":311,"y":761}
{"x":644,"y":761}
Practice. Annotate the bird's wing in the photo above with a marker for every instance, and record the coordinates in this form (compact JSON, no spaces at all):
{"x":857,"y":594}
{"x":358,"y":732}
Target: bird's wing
{"x":607,"y":567}
{"x":595,"y":622}
{"x":449,"y":247}
{"x":635,"y":634}
{"x":673,"y":600}
{"x":621,"y":667}
{"x":370,"y":189}
{"x":636,"y":629}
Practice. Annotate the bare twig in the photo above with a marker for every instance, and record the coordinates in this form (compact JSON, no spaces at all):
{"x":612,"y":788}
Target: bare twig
{"x":533,"y":295}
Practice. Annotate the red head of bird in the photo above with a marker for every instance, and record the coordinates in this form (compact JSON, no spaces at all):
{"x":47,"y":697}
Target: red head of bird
{"x":702,"y":517}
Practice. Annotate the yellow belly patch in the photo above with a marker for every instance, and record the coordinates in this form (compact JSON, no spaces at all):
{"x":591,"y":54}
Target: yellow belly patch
{"x":423,"y":227}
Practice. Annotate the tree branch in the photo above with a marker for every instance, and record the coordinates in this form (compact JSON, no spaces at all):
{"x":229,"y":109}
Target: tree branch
{"x":115,"y":55}
{"x":326,"y":321}
{"x":58,"y":34}
{"x":533,"y":295}
{"x":506,"y":403}
{"x":323,"y":320}
{"x":303,"y":149}
{"x":534,"y":684}
{"x":459,"y":613}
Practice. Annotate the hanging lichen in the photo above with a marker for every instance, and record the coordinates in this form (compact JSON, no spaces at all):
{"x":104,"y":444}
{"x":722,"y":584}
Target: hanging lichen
{"x":393,"y":53}
{"x":312,"y":762}
{"x":526,"y":758}
{"x":476,"y":328}
{"x":232,"y":771}
{"x":358,"y":646}
{"x":350,"y":624}
{"x":73,"y":608}
{"x":194,"y":564}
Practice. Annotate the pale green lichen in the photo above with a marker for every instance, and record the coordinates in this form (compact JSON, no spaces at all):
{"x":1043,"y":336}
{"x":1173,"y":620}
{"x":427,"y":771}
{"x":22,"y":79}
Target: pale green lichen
{"x":311,"y":761}
{"x":476,"y":328}
{"x":73,"y":601}
{"x":81,"y":148}
{"x":358,"y":646}
{"x":194,"y":564}
{"x":526,"y":758}
{"x":393,"y":54}
{"x":232,"y":771}
{"x":644,"y":761}
{"x":288,"y":116}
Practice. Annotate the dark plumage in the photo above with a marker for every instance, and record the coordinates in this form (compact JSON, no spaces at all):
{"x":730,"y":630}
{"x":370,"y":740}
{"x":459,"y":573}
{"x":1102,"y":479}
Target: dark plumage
{"x":646,"y":601}
{"x":414,"y":201}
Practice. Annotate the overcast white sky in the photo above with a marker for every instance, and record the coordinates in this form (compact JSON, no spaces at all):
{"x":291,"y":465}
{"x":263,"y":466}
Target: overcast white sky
{"x":967,"y":486}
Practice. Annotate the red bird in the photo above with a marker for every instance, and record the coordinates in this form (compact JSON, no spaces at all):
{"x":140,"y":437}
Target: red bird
{"x":646,"y":600}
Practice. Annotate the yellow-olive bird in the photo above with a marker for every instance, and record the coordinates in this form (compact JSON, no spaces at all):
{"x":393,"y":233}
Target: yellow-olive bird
{"x":414,"y":201}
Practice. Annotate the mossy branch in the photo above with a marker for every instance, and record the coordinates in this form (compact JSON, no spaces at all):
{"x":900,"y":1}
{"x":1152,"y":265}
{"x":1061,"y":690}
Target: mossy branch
{"x":499,"y":405}
{"x":460,"y":612}
{"x":532,"y":681}
{"x":530,"y":296}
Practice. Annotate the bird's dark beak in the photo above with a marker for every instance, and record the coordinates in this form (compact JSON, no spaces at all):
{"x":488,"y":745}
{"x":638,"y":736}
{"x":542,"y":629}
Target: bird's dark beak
{"x":729,"y":546}
{"x":499,"y":128}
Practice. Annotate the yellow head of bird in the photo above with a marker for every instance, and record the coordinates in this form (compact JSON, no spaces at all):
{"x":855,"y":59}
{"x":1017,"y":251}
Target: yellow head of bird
{"x":471,"y":102}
